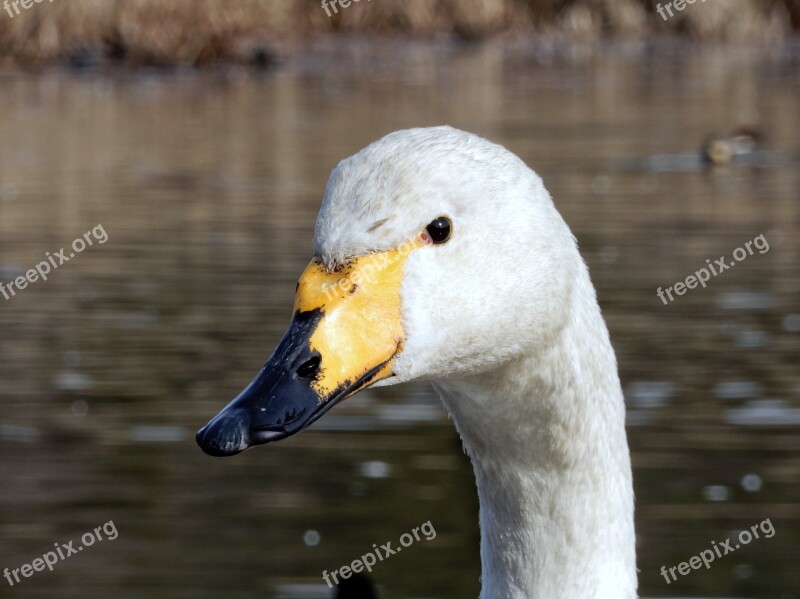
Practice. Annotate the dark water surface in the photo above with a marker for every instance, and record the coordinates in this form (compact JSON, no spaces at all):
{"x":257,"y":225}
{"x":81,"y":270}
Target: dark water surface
{"x":208,"y":187}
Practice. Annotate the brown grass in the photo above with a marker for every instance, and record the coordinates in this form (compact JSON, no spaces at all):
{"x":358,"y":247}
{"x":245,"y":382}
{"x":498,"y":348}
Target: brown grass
{"x":201,"y":32}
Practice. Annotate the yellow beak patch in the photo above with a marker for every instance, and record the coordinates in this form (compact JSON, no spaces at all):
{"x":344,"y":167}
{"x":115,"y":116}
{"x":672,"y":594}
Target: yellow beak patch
{"x":361,"y":328}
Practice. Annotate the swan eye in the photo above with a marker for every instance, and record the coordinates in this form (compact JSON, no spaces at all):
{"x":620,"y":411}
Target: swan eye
{"x":439,"y":230}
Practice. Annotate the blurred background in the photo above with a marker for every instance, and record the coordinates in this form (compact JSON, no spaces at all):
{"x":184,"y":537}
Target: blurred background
{"x":200,"y":136}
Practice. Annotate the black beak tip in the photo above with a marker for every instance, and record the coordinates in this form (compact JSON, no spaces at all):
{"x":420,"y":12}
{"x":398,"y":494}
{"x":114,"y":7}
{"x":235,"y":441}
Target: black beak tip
{"x":226,"y":435}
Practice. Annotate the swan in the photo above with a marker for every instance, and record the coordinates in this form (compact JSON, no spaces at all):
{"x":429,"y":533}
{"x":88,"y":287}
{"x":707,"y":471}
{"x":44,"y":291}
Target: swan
{"x":440,"y":256}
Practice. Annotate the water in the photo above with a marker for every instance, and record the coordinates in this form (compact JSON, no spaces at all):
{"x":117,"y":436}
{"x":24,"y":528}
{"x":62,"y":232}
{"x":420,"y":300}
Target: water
{"x":208,"y":185}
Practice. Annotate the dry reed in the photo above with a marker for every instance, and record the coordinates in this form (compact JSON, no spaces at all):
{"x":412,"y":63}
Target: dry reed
{"x":203,"y":32}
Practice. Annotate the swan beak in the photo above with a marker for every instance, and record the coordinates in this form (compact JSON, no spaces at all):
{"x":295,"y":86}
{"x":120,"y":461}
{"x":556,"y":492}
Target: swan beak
{"x":344,"y":336}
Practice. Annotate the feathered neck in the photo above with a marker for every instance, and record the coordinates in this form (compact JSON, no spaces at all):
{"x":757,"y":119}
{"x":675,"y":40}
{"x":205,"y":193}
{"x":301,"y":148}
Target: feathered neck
{"x":546,"y":436}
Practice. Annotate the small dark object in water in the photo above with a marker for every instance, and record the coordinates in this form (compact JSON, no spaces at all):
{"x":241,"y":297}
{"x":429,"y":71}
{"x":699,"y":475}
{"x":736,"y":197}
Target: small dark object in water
{"x":358,"y":586}
{"x":115,"y":48}
{"x":724,"y":149}
{"x":84,"y":57}
{"x":262,"y":57}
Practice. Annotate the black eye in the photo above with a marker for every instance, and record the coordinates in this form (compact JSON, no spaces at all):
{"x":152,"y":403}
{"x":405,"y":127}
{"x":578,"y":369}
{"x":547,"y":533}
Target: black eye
{"x":440,"y":230}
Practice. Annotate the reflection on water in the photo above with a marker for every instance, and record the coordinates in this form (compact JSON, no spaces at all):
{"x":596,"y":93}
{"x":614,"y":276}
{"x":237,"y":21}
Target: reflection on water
{"x":208,"y":187}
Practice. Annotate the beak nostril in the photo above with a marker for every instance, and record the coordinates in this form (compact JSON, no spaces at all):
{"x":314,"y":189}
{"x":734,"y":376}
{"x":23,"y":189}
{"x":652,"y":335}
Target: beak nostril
{"x":309,"y":368}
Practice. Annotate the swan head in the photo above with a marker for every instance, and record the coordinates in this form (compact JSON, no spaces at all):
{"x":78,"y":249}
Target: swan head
{"x":437,"y":255}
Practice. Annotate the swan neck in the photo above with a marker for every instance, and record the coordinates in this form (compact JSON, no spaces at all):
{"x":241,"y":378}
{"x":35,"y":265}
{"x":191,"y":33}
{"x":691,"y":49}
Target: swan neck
{"x":546,"y":436}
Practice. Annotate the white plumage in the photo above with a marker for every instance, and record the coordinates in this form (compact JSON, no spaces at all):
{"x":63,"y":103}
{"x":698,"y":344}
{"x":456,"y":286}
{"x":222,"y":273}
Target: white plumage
{"x":504,"y":322}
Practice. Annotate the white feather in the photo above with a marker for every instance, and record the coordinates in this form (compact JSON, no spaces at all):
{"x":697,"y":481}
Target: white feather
{"x":504,"y":321}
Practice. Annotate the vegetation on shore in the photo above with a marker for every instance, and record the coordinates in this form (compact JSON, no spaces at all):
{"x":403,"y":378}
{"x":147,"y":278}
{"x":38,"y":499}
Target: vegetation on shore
{"x":204,"y":32}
